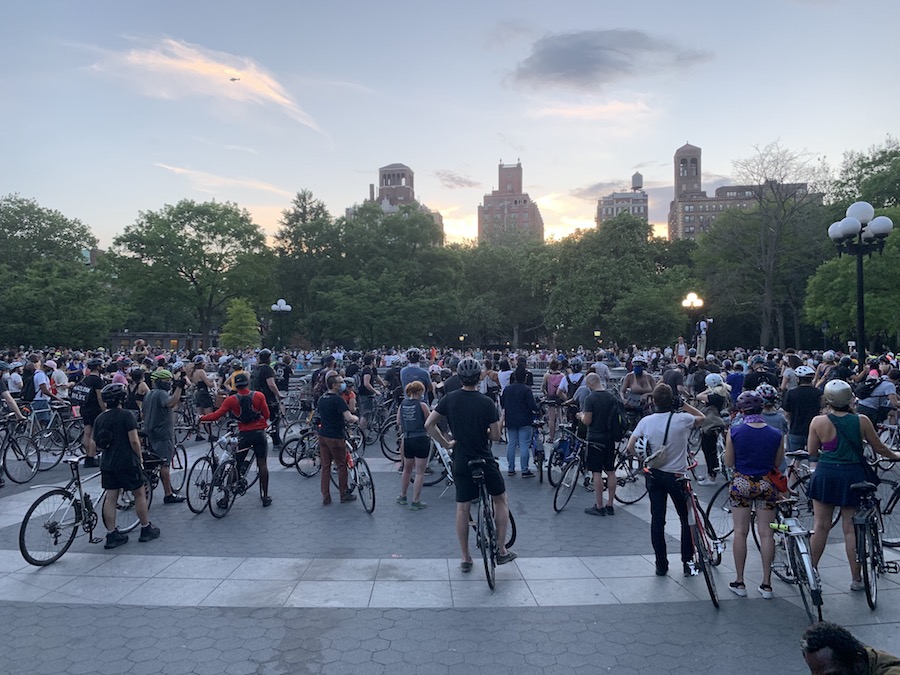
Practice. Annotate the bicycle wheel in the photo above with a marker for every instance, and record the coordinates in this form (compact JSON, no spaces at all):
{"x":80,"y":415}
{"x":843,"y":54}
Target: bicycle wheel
{"x":251,"y":472}
{"x":631,"y":486}
{"x":805,"y":504}
{"x":309,"y":461}
{"x":182,"y":432}
{"x":889,"y":493}
{"x":555,"y":466}
{"x":484,"y":531}
{"x":198,"y":484}
{"x":802,"y":581}
{"x":49,"y":527}
{"x":372,"y":429}
{"x":178,"y":468}
{"x":567,"y":484}
{"x":75,"y":433}
{"x":704,"y":563}
{"x":355,"y":435}
{"x":53,"y":444}
{"x":781,"y":563}
{"x":287,"y":454}
{"x":223,"y":492}
{"x":365,"y":485}
{"x":718,"y":512}
{"x":539,"y":464}
{"x":511,"y":535}
{"x":713,"y":539}
{"x":21,"y":459}
{"x":435,"y":471}
{"x":390,"y":441}
{"x":867,"y":555}
{"x":126,"y":513}
{"x":292,"y":431}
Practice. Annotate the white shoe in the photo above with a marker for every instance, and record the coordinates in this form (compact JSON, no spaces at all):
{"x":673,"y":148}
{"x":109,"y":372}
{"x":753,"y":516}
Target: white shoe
{"x":708,"y":480}
{"x":857,"y":586}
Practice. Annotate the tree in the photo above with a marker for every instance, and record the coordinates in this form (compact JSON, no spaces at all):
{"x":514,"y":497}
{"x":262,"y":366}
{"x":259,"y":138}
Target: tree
{"x":872,"y":176}
{"x":214,"y":249}
{"x":31,"y":232}
{"x":241,"y":328}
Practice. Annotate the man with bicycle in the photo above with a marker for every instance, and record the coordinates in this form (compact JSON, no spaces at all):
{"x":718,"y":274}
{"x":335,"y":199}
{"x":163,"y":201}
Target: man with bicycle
{"x":595,"y":413}
{"x":474,"y":423}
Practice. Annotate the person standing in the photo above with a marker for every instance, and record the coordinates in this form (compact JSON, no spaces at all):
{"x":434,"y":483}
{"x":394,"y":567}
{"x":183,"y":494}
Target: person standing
{"x":333,"y":415}
{"x":601,"y":451}
{"x":713,"y":401}
{"x":86,"y":394}
{"x":411,"y":416}
{"x":702,"y":329}
{"x":801,"y":405}
{"x":369,"y":379}
{"x":159,"y":425}
{"x":264,"y":382}
{"x":519,"y":411}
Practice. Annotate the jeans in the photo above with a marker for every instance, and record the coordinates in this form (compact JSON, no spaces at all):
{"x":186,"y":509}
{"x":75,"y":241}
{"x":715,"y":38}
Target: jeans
{"x":796,"y":442}
{"x":520,"y":437}
{"x":41,"y":408}
{"x":660,"y":485}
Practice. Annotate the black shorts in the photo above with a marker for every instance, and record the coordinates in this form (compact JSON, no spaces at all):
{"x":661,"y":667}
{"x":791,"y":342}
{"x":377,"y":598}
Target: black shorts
{"x":467,"y":489}
{"x":600,"y":457}
{"x":416,"y":448}
{"x":130,"y":478}
{"x":203,"y":399}
{"x":90,"y":418}
{"x":255,"y":440}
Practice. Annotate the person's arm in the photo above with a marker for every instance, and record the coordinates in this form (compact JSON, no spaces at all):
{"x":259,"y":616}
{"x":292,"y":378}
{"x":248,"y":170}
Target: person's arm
{"x":12,"y":405}
{"x":812,"y":440}
{"x":270,"y":383}
{"x":699,"y":417}
{"x":135,"y":442}
{"x":871,"y":436}
{"x":729,"y":452}
{"x":432,"y":426}
{"x":225,"y":408}
{"x":100,"y":399}
{"x":495,"y":433}
{"x":175,"y":398}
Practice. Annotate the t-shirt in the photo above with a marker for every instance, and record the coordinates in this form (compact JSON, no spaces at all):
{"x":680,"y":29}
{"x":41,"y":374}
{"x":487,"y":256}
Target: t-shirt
{"x":40,"y":377}
{"x":758,"y":377}
{"x":88,"y":388}
{"x":880,"y":395}
{"x":469,"y":414}
{"x":674,"y":378}
{"x":452,"y":383}
{"x":736,"y":382}
{"x":60,"y":378}
{"x":599,"y":404}
{"x":372,"y":372}
{"x":282,"y":376}
{"x":803,"y":403}
{"x":115,"y":424}
{"x":504,"y":377}
{"x":603,"y":371}
{"x":755,"y":449}
{"x":159,"y":423}
{"x":653,"y":428}
{"x":263,"y":373}
{"x":413,"y":374}
{"x":776,"y":420}
{"x":331,"y":408}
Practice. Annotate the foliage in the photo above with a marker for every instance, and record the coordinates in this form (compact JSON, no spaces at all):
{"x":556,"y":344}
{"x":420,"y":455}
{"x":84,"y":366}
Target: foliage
{"x":872,"y":176}
{"x":241,"y":329}
{"x":30,"y":232}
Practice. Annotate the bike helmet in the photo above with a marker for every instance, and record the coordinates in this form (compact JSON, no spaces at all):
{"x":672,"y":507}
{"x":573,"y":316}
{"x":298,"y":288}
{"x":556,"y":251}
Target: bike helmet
{"x":94,"y":364}
{"x":148,"y":362}
{"x":838,"y":394}
{"x":469,"y":371}
{"x":4,"y":366}
{"x":713,"y":380}
{"x":161,"y":374}
{"x":639,"y":361}
{"x":237,"y":364}
{"x":828,"y":357}
{"x":758,"y":360}
{"x":114,"y":394}
{"x":727,"y":364}
{"x":750,"y":402}
{"x":241,"y":380}
{"x":265,"y":355}
{"x":846,"y":361}
{"x":711,"y":358}
{"x":804,"y":372}
{"x":576,"y":365}
{"x":413,"y":356}
{"x":768,"y":392}
{"x":199,"y":359}
{"x":692,"y":352}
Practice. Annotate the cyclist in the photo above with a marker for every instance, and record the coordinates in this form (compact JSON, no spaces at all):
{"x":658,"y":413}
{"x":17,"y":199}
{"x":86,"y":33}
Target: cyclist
{"x":415,"y":372}
{"x":250,"y":410}
{"x":237,"y":366}
{"x":596,"y":408}
{"x":474,"y":422}
{"x":203,"y":389}
{"x":87,"y":395}
{"x":801,"y":405}
{"x":759,"y":374}
{"x":333,"y":415}
{"x":836,"y":440}
{"x":121,"y":467}
{"x":369,"y":378}
{"x":713,"y":401}
{"x":753,"y":449}
{"x":411,"y":417}
{"x":550,"y":390}
{"x":159,"y":424}
{"x":636,"y":387}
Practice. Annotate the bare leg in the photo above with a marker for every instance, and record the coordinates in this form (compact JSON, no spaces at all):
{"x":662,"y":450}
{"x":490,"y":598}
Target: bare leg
{"x":90,"y":449}
{"x":109,"y":509}
{"x":462,"y":528}
{"x":421,"y":463}
{"x":764,"y":518}
{"x":598,"y":488}
{"x":141,"y":507}
{"x":501,"y":517}
{"x":408,"y":464}
{"x":610,"y":486}
{"x":165,"y":477}
{"x":847,"y":513}
{"x":741,"y":516}
{"x":822,"y":514}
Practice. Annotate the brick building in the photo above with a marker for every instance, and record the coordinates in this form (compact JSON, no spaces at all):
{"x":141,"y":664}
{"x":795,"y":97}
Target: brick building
{"x":509,"y":209}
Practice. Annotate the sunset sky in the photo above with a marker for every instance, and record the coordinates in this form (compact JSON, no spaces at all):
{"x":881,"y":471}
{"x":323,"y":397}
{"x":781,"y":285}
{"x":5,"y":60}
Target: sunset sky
{"x":111,"y":108}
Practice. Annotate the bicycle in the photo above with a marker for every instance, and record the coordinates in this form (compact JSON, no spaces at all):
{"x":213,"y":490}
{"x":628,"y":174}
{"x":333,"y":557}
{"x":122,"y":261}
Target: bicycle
{"x":358,"y":476}
{"x":20,"y":455}
{"x":563,"y":449}
{"x":485,"y":525}
{"x":60,"y":435}
{"x":631,"y":486}
{"x":793,"y":560}
{"x":707,"y":546}
{"x":536,"y":448}
{"x":867,"y":525}
{"x":231,"y":478}
{"x":54,"y":519}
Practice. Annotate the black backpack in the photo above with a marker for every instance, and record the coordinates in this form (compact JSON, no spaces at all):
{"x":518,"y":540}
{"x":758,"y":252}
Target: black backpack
{"x":617,"y":424}
{"x":248,"y":414}
{"x":28,"y":390}
{"x":572,"y":387}
{"x":863,"y":390}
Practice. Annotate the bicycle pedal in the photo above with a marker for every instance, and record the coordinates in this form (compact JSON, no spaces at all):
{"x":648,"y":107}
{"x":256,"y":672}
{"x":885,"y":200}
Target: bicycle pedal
{"x":892,"y":567}
{"x":95,"y":540}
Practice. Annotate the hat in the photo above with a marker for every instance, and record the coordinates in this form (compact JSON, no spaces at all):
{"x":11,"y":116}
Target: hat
{"x":50,"y":363}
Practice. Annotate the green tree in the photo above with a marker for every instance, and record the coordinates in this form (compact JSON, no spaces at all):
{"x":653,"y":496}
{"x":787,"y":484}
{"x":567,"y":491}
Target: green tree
{"x":872,"y":176}
{"x":241,"y":328}
{"x":30,"y":232}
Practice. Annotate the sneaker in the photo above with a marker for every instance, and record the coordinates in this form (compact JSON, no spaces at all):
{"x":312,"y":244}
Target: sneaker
{"x":148,"y":532}
{"x":349,"y":497}
{"x":401,"y":500}
{"x":594,"y":511}
{"x":509,"y":557}
{"x":417,"y":506}
{"x":115,"y":538}
{"x":326,"y":500}
{"x":662,"y":570}
{"x":707,"y":481}
{"x":765,"y":590}
{"x":688,"y":569}
{"x":266,"y":501}
{"x":91,"y":463}
{"x":610,"y":511}
{"x":512,"y":472}
{"x":173,"y":499}
{"x":739,"y":589}
{"x":528,"y":474}
{"x":857,"y":586}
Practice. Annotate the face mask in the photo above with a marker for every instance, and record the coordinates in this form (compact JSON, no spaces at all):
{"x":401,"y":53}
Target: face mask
{"x":638,"y":370}
{"x":343,"y":386}
{"x":165,"y":385}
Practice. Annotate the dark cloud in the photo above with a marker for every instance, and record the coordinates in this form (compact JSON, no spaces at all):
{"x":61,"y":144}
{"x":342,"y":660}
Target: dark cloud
{"x":453,"y":179}
{"x":595,"y":58}
{"x":649,"y":162}
{"x":595,"y":191}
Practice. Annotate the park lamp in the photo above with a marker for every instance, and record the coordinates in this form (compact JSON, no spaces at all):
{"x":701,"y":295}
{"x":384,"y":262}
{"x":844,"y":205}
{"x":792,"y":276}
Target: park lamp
{"x":861,"y":232}
{"x":692,"y":301}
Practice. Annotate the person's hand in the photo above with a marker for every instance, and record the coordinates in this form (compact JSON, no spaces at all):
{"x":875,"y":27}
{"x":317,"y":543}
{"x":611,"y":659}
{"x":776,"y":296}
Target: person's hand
{"x":451,"y":444}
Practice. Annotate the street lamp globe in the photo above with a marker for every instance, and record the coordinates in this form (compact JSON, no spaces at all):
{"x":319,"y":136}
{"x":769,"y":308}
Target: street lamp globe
{"x":861,"y":211}
{"x":881,"y":226}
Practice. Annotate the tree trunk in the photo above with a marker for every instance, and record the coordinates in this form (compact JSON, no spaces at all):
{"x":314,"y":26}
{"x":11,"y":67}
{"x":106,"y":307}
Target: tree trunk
{"x":779,"y":317}
{"x":515,"y":340}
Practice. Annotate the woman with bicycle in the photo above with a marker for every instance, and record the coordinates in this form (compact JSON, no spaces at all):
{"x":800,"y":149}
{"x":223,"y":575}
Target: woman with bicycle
{"x":411,"y":416}
{"x":753,"y":449}
{"x":836,"y":440}
{"x":550,"y":391}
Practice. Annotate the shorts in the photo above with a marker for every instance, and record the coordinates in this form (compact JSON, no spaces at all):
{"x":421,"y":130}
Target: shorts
{"x":365,"y":404}
{"x":163,"y":448}
{"x":203,"y":399}
{"x":89,"y":418}
{"x":877,"y":416}
{"x":600,"y":457}
{"x":752,"y":492}
{"x":416,"y":448}
{"x":255,"y":440}
{"x":830,"y":484}
{"x":467,"y":488}
{"x":122,"y":479}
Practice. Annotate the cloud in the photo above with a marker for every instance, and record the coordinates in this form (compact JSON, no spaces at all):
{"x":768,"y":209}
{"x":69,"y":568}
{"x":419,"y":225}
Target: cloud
{"x":594,"y":191}
{"x":215,"y":184}
{"x":232,"y":148}
{"x":614,"y":110}
{"x":174,"y":69}
{"x":592,"y":59}
{"x":453,"y":180}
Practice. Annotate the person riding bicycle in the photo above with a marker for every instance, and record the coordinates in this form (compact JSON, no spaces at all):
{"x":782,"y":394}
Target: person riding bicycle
{"x":159,"y":424}
{"x":250,"y":410}
{"x":121,"y":465}
{"x":474,"y":423}
{"x":801,"y":405}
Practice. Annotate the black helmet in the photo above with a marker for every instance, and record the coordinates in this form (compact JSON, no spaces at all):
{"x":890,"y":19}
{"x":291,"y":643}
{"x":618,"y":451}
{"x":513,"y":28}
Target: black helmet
{"x":93,"y":364}
{"x":692,"y":352}
{"x":454,"y":363}
{"x":242,"y":380}
{"x":469,"y":371}
{"x":846,"y":361}
{"x":265,"y":355}
{"x":114,"y":394}
{"x":575,"y":365}
{"x":4,"y":366}
{"x":237,"y":364}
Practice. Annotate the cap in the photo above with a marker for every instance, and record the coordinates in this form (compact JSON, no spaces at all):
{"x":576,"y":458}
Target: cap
{"x":50,"y":363}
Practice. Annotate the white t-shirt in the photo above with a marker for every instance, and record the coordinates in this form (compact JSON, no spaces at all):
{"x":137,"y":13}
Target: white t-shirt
{"x":603,"y":371}
{"x":504,"y":377}
{"x":60,"y":378}
{"x":14,"y":384}
{"x":653,"y":428}
{"x":40,"y":377}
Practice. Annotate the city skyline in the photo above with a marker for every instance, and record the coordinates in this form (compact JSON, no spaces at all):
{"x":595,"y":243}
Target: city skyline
{"x":122,"y":110}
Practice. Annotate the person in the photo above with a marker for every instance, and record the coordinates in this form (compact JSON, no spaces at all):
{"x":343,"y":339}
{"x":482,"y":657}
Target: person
{"x":369,"y":379}
{"x":237,"y":366}
{"x":252,"y":414}
{"x":333,"y":414}
{"x":714,"y":400}
{"x":753,"y":449}
{"x":11,"y":404}
{"x":504,"y":375}
{"x":680,"y":350}
{"x":264,"y":382}
{"x":801,"y":405}
{"x":159,"y":425}
{"x":594,"y":414}
{"x":882,"y":399}
{"x":317,"y":380}
{"x":770,"y":414}
{"x":135,"y":391}
{"x":823,"y":370}
{"x":759,"y":374}
{"x":702,"y":329}
{"x":203,"y":387}
{"x":87,"y":395}
{"x":121,"y":465}
{"x":283,"y":370}
{"x":474,"y":423}
{"x":829,"y":649}
{"x":672,"y":426}
{"x":490,"y":381}
{"x":673,"y":375}
{"x":835,"y":438}
{"x":411,"y":416}
{"x":551,"y":393}
{"x":519,"y":411}
{"x":735,"y":380}
{"x":414,"y":371}
{"x":59,"y":381}
{"x":42,"y":394}
{"x":636,"y":387}
{"x":602,"y":369}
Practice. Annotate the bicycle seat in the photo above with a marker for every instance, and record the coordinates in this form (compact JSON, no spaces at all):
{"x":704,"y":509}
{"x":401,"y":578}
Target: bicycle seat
{"x":790,"y":501}
{"x":865,"y":487}
{"x":74,"y":460}
{"x":797,"y":454}
{"x":477,"y":463}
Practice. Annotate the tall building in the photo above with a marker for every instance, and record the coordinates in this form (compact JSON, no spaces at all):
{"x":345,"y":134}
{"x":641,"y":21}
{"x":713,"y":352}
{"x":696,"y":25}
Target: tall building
{"x":396,"y":186}
{"x":634,"y":202}
{"x":692,"y":212}
{"x":508,"y":209}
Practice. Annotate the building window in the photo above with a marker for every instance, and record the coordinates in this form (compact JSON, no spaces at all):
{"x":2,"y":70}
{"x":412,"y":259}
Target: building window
{"x":731,"y":193}
{"x":694,"y":166}
{"x":689,"y":208}
{"x":682,"y":168}
{"x":748,"y":193}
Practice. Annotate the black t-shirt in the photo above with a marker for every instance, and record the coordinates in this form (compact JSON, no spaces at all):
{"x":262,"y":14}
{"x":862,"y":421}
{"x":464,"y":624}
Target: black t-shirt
{"x":599,"y":404}
{"x":282,"y":376}
{"x":700,"y":379}
{"x":372,"y":372}
{"x":758,"y":377}
{"x":3,"y":387}
{"x":351,"y":370}
{"x":88,"y":389}
{"x":674,"y":378}
{"x":264,"y":372}
{"x":331,"y":409}
{"x":393,"y":377}
{"x":113,"y":426}
{"x":469,"y":414}
{"x":803,"y":403}
{"x":452,"y":383}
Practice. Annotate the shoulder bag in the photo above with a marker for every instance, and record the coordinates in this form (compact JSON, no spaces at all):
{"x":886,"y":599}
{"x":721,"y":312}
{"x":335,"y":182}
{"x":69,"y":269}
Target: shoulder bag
{"x":657,"y":458}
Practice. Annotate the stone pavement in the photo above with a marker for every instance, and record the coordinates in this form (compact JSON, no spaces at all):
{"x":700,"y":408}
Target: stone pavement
{"x":302,"y":588}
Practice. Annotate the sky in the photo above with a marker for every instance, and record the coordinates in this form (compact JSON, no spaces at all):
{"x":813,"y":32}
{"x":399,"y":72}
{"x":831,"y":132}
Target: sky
{"x":111,"y":108}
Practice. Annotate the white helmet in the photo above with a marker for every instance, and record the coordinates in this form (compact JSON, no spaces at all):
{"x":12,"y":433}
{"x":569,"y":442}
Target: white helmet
{"x":713,"y":380}
{"x":804,"y":371}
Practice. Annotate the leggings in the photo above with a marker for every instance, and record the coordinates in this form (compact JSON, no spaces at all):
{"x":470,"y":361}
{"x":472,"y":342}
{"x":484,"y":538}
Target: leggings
{"x":708,"y":442}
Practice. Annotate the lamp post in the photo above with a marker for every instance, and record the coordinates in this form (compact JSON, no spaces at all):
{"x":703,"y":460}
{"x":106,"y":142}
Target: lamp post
{"x":860,"y":233}
{"x":692,"y":302}
{"x":281,"y":308}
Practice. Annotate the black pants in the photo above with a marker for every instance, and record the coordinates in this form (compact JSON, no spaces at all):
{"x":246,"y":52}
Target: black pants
{"x":661,"y":484}
{"x":708,"y":442}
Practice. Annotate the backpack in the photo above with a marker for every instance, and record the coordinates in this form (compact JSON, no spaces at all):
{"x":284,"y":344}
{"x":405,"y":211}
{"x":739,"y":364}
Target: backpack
{"x":617,"y":423}
{"x":248,"y":414}
{"x":318,"y":386}
{"x":572,"y":387}
{"x":358,"y":380}
{"x":28,"y":390}
{"x":863,"y":390}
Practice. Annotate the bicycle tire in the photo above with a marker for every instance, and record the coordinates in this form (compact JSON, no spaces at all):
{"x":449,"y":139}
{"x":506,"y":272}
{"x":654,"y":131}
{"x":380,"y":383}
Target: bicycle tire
{"x":889,"y":492}
{"x":199,"y":481}
{"x":539,"y":465}
{"x":867,"y":555}
{"x":805,"y":504}
{"x":53,"y":444}
{"x":178,"y":468}
{"x":390,"y":441}
{"x":372,"y":430}
{"x":704,"y":562}
{"x":365,"y":485}
{"x":555,"y":466}
{"x":781,"y":563}
{"x":511,"y":537}
{"x":718,"y":511}
{"x":287,"y":454}
{"x":21,"y":459}
{"x":715,"y":552}
{"x":631,"y":486}
{"x":485,"y":526}
{"x":438,"y":472}
{"x":567,"y":484}
{"x":251,"y":473}
{"x":49,"y":527}
{"x":802,"y":582}
{"x":223,"y":492}
{"x":309,"y":460}
{"x":182,"y":432}
{"x":74,"y":429}
{"x":125,"y":506}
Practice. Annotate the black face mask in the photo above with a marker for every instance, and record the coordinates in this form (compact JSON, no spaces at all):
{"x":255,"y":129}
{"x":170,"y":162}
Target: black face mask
{"x":165,"y":385}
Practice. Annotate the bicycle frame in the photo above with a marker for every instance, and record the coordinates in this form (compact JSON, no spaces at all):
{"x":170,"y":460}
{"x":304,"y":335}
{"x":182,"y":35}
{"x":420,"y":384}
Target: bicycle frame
{"x":795,"y":542}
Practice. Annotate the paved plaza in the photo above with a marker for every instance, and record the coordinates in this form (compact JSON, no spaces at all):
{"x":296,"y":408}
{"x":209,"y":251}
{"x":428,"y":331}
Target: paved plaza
{"x":302,"y":588}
